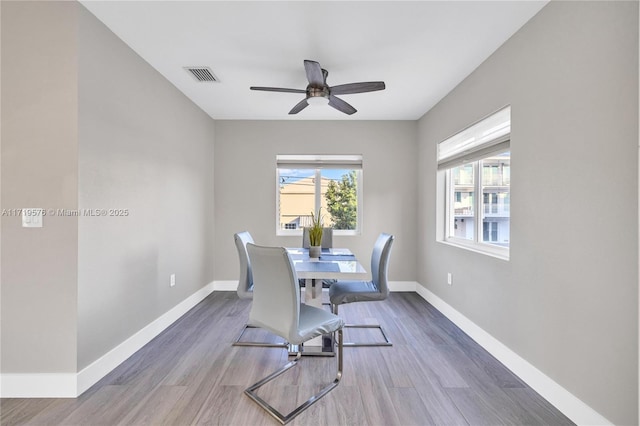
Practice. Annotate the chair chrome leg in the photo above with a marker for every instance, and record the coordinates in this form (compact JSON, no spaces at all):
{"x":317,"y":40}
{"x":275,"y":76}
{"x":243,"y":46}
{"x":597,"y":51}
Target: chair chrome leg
{"x":387,"y":342}
{"x":286,"y":418}
{"x":358,"y":344}
{"x":237,"y":342}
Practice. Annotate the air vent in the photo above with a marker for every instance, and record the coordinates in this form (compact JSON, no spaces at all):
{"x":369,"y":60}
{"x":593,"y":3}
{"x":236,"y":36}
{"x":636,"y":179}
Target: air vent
{"x":202,"y":74}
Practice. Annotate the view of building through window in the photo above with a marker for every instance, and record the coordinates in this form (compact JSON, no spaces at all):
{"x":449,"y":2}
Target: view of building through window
{"x":302,"y":191}
{"x":494,"y":183}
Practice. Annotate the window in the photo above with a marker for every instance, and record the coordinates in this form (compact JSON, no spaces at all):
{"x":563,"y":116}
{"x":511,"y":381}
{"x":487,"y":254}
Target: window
{"x":490,"y":231}
{"x":306,"y":183}
{"x":477,"y":161}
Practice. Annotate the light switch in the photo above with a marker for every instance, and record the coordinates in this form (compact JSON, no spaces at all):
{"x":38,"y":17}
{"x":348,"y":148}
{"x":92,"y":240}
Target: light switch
{"x":32,"y":218}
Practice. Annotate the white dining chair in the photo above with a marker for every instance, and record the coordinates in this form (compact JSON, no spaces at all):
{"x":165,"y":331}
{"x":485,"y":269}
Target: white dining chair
{"x":276,"y":307}
{"x":347,"y":291}
{"x":245,"y":288}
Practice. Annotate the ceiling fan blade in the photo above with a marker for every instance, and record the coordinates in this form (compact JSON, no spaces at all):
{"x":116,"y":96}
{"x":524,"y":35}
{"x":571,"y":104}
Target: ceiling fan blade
{"x":299,"y":106}
{"x":341,"y":105}
{"x":314,"y":73}
{"x":369,"y":86}
{"x":277,"y":89}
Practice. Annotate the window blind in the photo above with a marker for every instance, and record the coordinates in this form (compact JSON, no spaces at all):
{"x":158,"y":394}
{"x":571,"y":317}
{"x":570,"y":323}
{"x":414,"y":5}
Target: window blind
{"x":490,"y":135}
{"x":353,"y":162}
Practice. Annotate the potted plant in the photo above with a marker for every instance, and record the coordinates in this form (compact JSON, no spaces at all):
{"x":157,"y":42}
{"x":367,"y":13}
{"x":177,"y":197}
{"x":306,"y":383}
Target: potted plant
{"x":315,"y":235}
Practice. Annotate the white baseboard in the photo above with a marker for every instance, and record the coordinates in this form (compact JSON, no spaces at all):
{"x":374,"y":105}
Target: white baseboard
{"x":102,"y":366}
{"x":225,"y":285}
{"x":571,"y":406}
{"x":45,"y":385}
{"x":403,"y":285}
{"x":72,"y":385}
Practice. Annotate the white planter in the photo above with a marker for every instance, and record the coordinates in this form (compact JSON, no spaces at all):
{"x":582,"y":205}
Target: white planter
{"x":314,"y":251}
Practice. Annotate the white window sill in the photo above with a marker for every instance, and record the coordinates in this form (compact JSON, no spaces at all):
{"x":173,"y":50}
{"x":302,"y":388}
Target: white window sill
{"x":501,"y":253}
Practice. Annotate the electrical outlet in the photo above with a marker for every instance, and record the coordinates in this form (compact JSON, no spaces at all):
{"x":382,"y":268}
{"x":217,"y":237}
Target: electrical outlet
{"x":173,"y":280}
{"x":449,"y":278}
{"x":32,"y":218}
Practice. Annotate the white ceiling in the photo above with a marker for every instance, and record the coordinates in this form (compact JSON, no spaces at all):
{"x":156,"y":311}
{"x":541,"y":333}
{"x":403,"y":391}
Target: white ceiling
{"x":420,"y":49}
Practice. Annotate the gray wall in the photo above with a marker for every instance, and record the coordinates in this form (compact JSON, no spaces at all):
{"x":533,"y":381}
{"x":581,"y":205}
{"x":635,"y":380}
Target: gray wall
{"x":143,"y":147}
{"x":88,"y":124}
{"x":73,"y":135}
{"x":567,"y":301}
{"x":245,"y":183}
{"x":39,"y":169}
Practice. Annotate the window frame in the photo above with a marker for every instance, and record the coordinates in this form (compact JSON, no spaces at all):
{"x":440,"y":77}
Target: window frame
{"x":319,"y":163}
{"x":472,"y":154}
{"x":477,"y":244}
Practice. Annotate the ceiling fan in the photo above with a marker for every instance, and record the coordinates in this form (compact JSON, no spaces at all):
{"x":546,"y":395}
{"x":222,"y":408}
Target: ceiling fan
{"x":319,"y":93}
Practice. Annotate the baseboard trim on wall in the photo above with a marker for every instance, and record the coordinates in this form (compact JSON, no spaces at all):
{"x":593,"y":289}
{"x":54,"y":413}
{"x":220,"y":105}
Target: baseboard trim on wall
{"x":34,"y":385}
{"x":571,"y":406}
{"x":90,"y":375}
{"x":225,"y":285}
{"x":71,"y":385}
{"x":402,"y":286}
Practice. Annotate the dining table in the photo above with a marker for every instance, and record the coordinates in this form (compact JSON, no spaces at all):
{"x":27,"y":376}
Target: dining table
{"x":333,"y":264}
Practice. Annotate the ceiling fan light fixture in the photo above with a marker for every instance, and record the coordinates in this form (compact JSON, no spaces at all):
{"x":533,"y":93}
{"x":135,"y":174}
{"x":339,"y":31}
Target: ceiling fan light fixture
{"x":317,"y":100}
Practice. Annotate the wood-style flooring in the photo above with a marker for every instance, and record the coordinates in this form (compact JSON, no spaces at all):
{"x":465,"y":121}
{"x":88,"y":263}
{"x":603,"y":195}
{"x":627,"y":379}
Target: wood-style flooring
{"x":190,"y":374}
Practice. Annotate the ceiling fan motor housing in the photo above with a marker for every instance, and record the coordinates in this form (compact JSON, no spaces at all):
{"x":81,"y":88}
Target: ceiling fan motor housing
{"x":317,"y":92}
